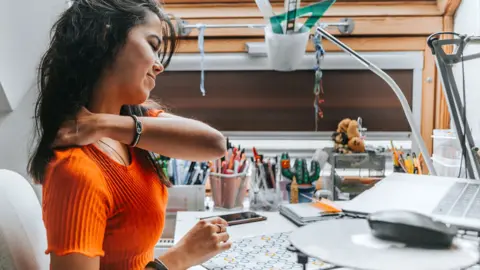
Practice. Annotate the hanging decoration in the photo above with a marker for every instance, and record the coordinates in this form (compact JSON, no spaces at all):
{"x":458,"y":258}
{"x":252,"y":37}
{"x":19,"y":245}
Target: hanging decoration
{"x":318,"y":86}
{"x":201,"y":48}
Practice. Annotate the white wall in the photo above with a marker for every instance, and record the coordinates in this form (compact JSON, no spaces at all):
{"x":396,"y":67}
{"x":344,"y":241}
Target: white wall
{"x":24,"y":28}
{"x":16,"y":131}
{"x":467,"y":21}
{"x":24,"y":35}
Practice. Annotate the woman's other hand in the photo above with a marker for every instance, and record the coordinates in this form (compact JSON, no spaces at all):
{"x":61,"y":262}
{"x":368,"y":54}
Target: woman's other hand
{"x":205,"y":240}
{"x":82,"y":131}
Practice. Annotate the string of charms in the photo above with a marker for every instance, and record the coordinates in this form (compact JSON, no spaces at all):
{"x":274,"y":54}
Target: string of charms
{"x":318,"y":86}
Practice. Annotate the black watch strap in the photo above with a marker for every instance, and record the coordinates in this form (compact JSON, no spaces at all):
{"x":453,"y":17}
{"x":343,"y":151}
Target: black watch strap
{"x":157,"y":265}
{"x":138,"y":131}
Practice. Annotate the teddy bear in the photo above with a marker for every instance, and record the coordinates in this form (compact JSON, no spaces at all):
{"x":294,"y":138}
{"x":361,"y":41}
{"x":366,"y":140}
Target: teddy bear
{"x":347,"y":137}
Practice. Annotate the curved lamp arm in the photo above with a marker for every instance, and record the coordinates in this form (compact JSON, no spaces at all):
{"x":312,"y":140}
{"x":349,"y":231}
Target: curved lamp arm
{"x":401,"y":97}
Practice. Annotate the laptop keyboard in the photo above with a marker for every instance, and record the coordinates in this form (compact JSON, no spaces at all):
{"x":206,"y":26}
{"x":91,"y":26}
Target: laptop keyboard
{"x":462,"y":200}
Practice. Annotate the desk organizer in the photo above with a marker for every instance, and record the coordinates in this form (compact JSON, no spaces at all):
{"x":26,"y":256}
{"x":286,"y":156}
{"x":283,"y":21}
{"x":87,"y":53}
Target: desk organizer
{"x":264,"y":197}
{"x":228,"y":190}
{"x":371,"y":167}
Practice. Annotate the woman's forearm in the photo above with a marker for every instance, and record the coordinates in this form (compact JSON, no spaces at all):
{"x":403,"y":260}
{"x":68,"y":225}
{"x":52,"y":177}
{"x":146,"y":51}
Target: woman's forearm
{"x":172,"y":136}
{"x":173,"y":260}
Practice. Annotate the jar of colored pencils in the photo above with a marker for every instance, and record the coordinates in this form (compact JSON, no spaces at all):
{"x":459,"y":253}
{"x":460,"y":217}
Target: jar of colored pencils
{"x":228,"y":190}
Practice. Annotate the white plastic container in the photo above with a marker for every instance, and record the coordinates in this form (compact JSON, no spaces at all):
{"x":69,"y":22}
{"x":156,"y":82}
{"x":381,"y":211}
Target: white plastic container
{"x":286,"y":52}
{"x":446,"y":145}
{"x":448,"y":167}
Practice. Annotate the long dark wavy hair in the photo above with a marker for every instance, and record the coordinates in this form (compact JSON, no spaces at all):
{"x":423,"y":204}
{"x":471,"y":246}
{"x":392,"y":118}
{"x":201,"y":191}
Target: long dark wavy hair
{"x":84,"y":41}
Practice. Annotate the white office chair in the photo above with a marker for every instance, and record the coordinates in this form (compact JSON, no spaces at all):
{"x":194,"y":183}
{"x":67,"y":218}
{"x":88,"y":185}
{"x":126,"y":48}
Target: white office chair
{"x":23,"y":239}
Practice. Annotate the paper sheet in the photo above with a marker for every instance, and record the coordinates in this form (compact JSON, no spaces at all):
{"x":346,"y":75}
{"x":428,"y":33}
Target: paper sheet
{"x":261,"y":252}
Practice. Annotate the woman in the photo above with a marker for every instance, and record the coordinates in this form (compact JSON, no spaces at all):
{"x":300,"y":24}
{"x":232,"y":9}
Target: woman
{"x":104,"y":197}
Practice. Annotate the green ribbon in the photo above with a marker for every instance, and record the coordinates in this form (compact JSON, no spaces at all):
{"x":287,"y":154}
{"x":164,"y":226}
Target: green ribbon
{"x":316,"y":10}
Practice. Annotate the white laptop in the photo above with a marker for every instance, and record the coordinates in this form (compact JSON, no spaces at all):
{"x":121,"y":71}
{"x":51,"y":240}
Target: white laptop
{"x":451,"y":200}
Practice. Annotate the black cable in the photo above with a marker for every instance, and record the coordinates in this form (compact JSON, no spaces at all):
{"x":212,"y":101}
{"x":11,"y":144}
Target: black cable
{"x":464,"y":119}
{"x":434,"y":37}
{"x":302,"y":259}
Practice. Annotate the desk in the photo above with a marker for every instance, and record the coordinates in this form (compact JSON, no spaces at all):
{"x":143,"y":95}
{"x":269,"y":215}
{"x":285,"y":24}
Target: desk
{"x":275,"y":223}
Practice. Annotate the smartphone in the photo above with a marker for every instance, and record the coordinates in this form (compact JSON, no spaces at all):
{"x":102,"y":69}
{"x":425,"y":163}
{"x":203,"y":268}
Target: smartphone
{"x":240,"y":218}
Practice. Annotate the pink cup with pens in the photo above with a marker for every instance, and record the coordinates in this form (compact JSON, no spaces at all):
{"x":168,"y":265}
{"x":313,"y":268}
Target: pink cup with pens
{"x":228,"y":190}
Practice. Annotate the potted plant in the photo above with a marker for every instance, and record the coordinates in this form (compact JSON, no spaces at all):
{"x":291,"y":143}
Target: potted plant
{"x":301,"y":178}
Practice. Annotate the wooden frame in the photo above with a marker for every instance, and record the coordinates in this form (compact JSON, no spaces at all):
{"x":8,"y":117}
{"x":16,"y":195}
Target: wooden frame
{"x":250,"y":10}
{"x":398,"y":25}
{"x":357,"y":43}
{"x":429,"y":80}
{"x":442,"y":115}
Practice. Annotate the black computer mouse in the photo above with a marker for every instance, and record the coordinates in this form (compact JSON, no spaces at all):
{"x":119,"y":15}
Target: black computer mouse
{"x":411,"y":228}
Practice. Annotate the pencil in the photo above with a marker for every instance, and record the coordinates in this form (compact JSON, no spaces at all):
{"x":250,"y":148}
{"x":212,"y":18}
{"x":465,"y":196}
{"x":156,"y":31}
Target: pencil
{"x":416,"y":163}
{"x":409,"y":164}
{"x":401,"y":162}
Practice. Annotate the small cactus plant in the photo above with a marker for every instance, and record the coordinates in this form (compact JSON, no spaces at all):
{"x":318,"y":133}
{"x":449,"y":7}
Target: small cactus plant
{"x":299,"y":171}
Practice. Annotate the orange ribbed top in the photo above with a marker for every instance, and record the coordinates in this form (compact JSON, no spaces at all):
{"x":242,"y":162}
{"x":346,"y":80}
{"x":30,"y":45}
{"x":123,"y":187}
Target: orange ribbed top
{"x":97,"y":207}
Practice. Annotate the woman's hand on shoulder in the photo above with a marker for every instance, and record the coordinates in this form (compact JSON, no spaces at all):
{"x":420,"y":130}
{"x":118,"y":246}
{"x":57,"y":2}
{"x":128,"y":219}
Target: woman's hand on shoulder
{"x":86,"y":129}
{"x":205,"y":240}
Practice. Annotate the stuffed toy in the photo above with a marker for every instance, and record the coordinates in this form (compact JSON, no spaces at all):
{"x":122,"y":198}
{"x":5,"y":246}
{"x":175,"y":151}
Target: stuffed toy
{"x":343,"y":125}
{"x":347,"y":137}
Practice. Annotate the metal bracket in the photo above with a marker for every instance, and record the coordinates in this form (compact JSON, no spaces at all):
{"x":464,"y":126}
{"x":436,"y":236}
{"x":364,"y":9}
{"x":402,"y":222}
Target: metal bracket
{"x":182,"y":30}
{"x":348,"y":28}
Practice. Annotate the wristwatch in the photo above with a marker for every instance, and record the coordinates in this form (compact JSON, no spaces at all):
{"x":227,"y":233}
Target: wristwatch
{"x":138,"y":131}
{"x":157,"y":265}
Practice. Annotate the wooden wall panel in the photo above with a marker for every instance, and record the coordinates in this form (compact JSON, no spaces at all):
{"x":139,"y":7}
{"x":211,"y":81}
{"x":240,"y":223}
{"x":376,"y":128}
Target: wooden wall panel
{"x":442,"y":115}
{"x":250,"y":10}
{"x":223,"y":45}
{"x":428,"y":98}
{"x":449,"y":7}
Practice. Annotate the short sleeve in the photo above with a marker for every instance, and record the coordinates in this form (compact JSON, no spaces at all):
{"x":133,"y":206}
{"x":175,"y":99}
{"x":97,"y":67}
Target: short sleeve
{"x":75,"y":208}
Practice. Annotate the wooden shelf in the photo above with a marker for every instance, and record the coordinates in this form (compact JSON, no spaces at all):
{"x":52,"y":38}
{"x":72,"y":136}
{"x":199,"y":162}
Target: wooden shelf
{"x":341,"y":9}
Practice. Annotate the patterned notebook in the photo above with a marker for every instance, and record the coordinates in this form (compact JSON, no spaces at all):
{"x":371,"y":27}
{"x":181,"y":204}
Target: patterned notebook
{"x":261,"y":252}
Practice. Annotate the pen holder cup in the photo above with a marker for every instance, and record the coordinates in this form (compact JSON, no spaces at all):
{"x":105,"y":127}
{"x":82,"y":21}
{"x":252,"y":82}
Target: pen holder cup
{"x":228,"y":190}
{"x":305,"y":193}
{"x":285,"y":52}
{"x":264,"y":192}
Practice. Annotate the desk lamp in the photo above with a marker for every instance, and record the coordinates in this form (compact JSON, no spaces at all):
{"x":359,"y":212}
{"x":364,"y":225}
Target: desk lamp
{"x":457,"y":110}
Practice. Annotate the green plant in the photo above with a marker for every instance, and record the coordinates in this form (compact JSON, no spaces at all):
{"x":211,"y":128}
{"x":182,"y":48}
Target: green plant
{"x":302,"y":174}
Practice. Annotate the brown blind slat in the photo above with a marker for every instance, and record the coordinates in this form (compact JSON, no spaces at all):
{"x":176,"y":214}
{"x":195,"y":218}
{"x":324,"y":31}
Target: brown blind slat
{"x":283,"y":101}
